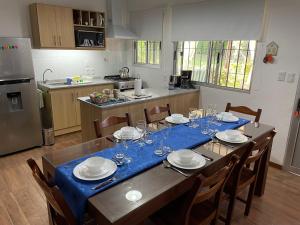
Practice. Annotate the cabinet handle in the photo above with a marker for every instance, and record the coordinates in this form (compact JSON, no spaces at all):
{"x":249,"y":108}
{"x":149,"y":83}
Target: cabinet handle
{"x":59,"y":38}
{"x":73,"y":97}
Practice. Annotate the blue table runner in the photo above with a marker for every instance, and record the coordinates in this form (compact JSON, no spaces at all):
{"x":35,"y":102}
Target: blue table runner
{"x":76,"y":192}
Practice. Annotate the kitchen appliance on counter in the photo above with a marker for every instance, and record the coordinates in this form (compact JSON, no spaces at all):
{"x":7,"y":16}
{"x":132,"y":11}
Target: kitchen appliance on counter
{"x":174,"y":82}
{"x":20,"y":123}
{"x":186,"y":79}
{"x":124,"y":72}
{"x":121,"y":83}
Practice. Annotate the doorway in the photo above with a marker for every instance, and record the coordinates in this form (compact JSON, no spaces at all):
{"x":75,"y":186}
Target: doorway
{"x":292,"y":159}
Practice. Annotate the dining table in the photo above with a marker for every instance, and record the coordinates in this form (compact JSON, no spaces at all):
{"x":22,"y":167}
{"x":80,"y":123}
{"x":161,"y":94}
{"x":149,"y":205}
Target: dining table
{"x":158,"y":185}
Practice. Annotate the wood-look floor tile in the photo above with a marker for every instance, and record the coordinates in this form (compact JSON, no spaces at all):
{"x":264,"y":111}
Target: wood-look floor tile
{"x":23,"y":203}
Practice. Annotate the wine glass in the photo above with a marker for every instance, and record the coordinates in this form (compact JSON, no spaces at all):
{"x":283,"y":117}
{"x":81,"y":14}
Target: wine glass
{"x":119,"y":156}
{"x":141,"y":129}
{"x":158,"y":146}
{"x":166,"y":135}
{"x":193,"y":115}
{"x":127,"y":159}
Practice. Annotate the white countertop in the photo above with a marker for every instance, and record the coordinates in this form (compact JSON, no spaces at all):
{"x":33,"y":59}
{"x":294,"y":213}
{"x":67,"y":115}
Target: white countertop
{"x":152,"y":92}
{"x":48,"y":86}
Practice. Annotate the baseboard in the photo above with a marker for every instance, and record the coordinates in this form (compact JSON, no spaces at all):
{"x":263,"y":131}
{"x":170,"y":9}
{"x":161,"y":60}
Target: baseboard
{"x":275,"y":165}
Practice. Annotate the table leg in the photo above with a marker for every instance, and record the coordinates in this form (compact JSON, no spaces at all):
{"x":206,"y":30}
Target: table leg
{"x":263,"y":171}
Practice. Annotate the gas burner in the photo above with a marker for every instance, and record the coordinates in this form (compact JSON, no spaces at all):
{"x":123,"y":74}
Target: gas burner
{"x":121,"y":83}
{"x":118,"y":78}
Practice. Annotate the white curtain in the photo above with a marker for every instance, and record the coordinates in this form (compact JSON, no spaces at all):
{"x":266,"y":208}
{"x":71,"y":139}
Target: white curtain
{"x":218,"y":20}
{"x":147,"y":24}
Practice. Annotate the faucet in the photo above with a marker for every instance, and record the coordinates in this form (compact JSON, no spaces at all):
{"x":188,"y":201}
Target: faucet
{"x":46,"y":70}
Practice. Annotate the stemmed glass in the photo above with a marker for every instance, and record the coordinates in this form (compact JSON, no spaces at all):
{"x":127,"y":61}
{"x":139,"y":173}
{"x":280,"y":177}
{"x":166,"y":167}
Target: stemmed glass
{"x":141,"y":128}
{"x":160,"y":142}
{"x":212,"y":134}
{"x":127,"y":159}
{"x":193,"y":115}
{"x":119,"y":156}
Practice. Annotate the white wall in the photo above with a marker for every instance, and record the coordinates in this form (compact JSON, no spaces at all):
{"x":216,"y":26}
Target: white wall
{"x":274,"y":97}
{"x":15,"y":22}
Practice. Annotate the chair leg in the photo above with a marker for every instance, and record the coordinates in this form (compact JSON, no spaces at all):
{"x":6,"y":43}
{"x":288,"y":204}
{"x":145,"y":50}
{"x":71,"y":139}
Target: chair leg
{"x":249,"y":199}
{"x":230,"y":210}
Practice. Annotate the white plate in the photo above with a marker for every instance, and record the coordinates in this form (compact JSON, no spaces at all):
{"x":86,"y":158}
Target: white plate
{"x":198,"y":161}
{"x":224,"y":137}
{"x":228,"y":119}
{"x":136,"y":135}
{"x":111,"y":168}
{"x":169,"y":119}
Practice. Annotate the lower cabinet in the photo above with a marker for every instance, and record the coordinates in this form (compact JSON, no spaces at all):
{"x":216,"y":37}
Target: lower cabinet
{"x":62,"y":109}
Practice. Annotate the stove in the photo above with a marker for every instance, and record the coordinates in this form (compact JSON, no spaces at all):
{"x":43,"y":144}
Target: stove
{"x":121,"y":83}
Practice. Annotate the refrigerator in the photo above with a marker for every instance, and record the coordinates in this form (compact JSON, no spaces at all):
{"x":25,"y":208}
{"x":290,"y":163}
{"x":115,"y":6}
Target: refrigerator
{"x":20,"y":123}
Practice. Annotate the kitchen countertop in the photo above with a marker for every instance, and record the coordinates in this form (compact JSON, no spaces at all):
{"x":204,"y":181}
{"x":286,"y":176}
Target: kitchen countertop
{"x":48,"y":86}
{"x":153,"y":92}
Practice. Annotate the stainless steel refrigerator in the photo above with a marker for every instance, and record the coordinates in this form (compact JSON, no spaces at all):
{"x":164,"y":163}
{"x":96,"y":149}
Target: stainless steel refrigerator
{"x":20,"y":124}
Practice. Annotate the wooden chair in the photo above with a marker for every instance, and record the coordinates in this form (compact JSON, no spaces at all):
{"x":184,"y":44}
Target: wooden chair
{"x":244,"y":176}
{"x":60,"y":212}
{"x":156,"y":110}
{"x":199,"y":206}
{"x":110,"y":121}
{"x":244,"y":110}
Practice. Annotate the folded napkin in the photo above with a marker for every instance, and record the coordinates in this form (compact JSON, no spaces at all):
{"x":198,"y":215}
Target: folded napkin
{"x":76,"y":192}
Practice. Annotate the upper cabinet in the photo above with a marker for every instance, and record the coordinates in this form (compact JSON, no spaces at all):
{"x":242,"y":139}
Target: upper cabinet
{"x":66,"y":28}
{"x":52,"y":26}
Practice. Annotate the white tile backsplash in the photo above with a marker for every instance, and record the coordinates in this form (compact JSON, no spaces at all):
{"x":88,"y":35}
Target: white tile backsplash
{"x":79,"y":62}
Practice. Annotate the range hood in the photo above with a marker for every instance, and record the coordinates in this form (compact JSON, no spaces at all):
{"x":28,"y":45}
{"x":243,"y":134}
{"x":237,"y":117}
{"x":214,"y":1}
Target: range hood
{"x":117,"y":17}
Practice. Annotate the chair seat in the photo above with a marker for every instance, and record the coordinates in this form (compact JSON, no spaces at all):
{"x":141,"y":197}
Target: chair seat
{"x":201,"y":214}
{"x":247,"y":177}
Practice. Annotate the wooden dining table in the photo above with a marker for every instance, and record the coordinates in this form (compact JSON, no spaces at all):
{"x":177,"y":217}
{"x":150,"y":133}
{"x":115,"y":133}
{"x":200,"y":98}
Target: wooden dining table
{"x":158,"y":185}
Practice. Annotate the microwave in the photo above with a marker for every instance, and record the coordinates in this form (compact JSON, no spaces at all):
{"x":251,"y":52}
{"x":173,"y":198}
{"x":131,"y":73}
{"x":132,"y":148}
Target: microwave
{"x":85,"y":38}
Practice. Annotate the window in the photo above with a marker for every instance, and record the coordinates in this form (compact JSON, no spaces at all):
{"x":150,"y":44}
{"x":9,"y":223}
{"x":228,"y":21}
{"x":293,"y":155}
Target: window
{"x":147,"y":52}
{"x":221,"y":63}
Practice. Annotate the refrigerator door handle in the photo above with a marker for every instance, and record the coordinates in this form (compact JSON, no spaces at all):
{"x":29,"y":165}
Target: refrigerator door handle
{"x":15,"y":81}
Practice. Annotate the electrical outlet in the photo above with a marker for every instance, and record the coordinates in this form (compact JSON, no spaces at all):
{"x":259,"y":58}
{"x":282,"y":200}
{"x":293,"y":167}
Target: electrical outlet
{"x":281,"y":76}
{"x":291,"y":77}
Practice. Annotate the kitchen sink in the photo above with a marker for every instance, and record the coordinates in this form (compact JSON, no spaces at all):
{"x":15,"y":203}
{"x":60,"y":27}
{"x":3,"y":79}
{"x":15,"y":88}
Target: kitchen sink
{"x":58,"y":83}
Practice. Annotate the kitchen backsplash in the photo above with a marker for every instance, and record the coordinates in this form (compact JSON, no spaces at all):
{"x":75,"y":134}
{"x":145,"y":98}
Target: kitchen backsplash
{"x":80,"y":62}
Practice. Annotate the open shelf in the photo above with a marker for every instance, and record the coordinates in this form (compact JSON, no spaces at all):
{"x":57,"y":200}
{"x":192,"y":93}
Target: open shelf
{"x":89,"y":28}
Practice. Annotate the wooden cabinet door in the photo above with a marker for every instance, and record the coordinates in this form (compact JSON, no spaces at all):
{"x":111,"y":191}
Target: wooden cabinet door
{"x":63,"y":108}
{"x":46,"y":19}
{"x":65,"y":29}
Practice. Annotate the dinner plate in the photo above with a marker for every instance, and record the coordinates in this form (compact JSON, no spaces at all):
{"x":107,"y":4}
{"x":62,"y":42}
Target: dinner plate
{"x":136,"y":135}
{"x":169,"y":119}
{"x":111,"y":168}
{"x":224,"y":137}
{"x":228,"y":119}
{"x":198,"y":160}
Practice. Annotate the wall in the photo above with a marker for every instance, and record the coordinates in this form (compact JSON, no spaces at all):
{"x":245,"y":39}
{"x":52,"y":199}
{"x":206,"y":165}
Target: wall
{"x":274,"y":97}
{"x":15,"y":22}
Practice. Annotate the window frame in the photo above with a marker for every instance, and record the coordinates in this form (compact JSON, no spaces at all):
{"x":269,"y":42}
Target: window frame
{"x":147,"y":64}
{"x":207,"y":82}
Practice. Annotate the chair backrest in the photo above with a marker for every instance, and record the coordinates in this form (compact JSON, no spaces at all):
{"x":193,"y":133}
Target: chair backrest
{"x":110,"y":121}
{"x":206,"y":188}
{"x":60,"y":211}
{"x":155,"y":111}
{"x":244,"y":110}
{"x":252,"y":156}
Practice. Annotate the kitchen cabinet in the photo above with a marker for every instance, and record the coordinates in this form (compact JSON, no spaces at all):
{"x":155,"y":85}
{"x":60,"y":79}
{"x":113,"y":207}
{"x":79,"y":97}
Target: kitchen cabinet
{"x":179,"y":103}
{"x":62,"y":109}
{"x":52,"y":26}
